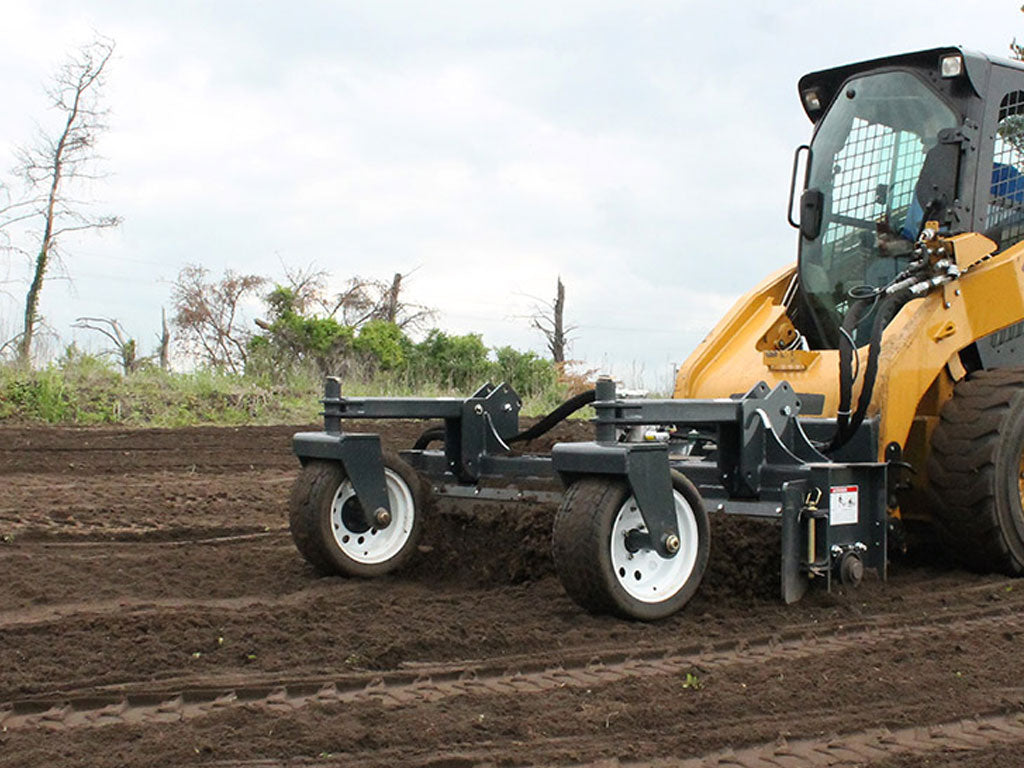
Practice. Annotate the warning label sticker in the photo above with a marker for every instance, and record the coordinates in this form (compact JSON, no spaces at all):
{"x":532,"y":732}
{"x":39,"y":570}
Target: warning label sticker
{"x":842,"y":505}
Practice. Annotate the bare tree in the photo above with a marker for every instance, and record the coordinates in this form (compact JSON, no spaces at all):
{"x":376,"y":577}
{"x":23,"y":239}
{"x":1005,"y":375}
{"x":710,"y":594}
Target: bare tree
{"x":163,"y":350}
{"x":206,"y":315}
{"x":390,"y":305}
{"x":308,"y":286}
{"x":51,"y":165}
{"x":360,"y":301}
{"x":125,"y":347}
{"x":363,"y":300}
{"x":549,"y":319}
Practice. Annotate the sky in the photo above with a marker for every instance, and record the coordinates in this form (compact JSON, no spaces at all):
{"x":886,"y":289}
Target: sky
{"x":639,"y":150}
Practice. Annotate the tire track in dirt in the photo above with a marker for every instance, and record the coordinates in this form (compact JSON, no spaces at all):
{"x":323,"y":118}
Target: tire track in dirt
{"x":864,"y":747}
{"x":62,"y":611}
{"x":859,"y":748}
{"x":27,"y":617}
{"x":107,"y":548}
{"x":425,"y":684}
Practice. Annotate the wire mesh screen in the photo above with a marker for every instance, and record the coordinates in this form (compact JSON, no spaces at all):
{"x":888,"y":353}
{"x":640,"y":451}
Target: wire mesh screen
{"x":873,"y":182}
{"x":1004,"y":219}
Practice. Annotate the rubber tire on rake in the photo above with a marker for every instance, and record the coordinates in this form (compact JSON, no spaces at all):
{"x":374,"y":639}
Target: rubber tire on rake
{"x":584,"y":549}
{"x":333,"y":540}
{"x":975,"y":469}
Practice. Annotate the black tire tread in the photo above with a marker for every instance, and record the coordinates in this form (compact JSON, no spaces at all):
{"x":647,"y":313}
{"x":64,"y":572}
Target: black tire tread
{"x":962,"y":469}
{"x":316,"y":478}
{"x":577,"y":535}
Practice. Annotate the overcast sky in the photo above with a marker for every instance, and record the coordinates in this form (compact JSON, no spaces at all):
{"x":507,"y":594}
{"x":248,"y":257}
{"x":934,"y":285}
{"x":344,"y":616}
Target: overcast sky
{"x":641,"y":150}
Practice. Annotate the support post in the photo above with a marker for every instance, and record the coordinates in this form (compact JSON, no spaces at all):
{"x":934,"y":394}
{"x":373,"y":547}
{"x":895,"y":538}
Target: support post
{"x":604,"y":389}
{"x":332,"y":403}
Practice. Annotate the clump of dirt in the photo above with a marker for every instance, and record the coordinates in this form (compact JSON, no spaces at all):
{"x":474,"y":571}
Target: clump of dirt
{"x":493,"y":544}
{"x":745,"y":562}
{"x":486,"y":543}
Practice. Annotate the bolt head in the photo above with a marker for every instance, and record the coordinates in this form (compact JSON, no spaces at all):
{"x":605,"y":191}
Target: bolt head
{"x":382,"y":518}
{"x":672,"y":543}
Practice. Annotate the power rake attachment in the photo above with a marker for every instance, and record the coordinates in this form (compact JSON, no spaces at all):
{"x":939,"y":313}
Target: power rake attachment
{"x":631,"y":535}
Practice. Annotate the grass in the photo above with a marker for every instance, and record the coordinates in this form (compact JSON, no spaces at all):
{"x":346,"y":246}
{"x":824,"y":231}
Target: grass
{"x":86,"y":390}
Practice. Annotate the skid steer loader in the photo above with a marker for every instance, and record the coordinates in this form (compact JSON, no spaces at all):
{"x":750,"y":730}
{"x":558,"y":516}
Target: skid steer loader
{"x":879,"y":381}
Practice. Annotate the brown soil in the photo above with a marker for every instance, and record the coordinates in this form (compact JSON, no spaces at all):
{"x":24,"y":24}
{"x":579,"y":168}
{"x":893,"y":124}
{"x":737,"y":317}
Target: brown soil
{"x":154,"y":612}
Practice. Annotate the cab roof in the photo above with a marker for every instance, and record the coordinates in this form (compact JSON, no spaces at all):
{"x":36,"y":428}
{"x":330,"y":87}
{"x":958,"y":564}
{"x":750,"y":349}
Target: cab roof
{"x":828,"y":81}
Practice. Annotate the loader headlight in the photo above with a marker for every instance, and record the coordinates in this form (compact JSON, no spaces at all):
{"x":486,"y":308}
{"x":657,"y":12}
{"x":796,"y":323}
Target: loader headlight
{"x":951,"y":65}
{"x":812,"y":100}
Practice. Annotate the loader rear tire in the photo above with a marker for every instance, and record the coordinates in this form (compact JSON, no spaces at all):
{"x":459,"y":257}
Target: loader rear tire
{"x":976,"y":469}
{"x":599,"y":573}
{"x":333,"y":541}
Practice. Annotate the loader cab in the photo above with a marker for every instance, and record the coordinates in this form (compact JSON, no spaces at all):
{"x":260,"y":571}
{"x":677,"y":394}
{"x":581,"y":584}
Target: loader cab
{"x":897,"y":142}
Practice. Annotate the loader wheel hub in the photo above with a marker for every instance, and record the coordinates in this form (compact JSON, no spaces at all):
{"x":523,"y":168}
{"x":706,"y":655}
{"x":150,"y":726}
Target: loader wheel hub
{"x":642,"y":572}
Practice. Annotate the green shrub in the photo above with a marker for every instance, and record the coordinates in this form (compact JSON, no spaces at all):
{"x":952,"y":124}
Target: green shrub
{"x":459,"y":362}
{"x":528,"y":374}
{"x":383,"y":344}
{"x":35,"y":395}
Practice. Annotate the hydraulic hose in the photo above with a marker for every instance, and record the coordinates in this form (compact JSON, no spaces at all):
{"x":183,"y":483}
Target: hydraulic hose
{"x":428,"y":436}
{"x":561,"y":413}
{"x":546,"y":424}
{"x":846,"y":373}
{"x":847,"y":424}
{"x":887,"y":310}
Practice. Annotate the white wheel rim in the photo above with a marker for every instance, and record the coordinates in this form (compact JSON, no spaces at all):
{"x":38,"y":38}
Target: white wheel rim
{"x":645,"y":575}
{"x":377,"y":545}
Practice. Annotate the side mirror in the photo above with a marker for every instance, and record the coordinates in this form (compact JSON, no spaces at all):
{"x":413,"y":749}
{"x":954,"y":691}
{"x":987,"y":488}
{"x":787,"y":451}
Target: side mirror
{"x":812,"y":202}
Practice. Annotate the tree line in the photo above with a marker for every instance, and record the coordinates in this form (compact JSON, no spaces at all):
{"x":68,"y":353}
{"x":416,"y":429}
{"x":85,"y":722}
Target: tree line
{"x":363,"y":329}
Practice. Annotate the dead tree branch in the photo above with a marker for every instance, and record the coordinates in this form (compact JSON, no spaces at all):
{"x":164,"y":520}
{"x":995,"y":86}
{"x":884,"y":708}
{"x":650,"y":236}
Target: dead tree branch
{"x":206,"y":315}
{"x":47,"y":168}
{"x":125,"y":347}
{"x":549,"y":319}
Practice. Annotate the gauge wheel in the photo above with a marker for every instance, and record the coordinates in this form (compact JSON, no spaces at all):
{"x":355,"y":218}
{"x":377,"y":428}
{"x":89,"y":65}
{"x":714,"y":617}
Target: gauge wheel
{"x":327,"y":526}
{"x":976,"y":469}
{"x":601,"y":573}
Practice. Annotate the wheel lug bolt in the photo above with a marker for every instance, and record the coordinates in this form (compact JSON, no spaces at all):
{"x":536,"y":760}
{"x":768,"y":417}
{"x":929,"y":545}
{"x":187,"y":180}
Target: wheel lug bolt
{"x":382,"y":517}
{"x":672,"y":543}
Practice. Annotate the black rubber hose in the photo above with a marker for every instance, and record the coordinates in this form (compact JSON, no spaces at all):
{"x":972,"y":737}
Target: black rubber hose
{"x":887,"y":309}
{"x":886,"y":312}
{"x":546,"y":424}
{"x":846,"y":353}
{"x":428,"y":436}
{"x":561,"y":413}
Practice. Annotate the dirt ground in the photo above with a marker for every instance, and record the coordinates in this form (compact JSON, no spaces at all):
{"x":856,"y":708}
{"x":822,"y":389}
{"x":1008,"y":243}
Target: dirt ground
{"x":154,"y":612}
